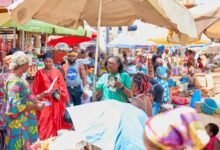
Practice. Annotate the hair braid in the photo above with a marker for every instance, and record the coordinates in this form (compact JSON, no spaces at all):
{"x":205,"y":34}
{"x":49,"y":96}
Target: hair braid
{"x":142,"y":82}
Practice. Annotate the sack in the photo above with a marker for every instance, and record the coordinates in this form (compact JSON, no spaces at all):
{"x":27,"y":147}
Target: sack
{"x":56,"y":94}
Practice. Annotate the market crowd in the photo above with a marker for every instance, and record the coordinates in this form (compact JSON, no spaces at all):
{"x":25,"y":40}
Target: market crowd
{"x":38,"y":110}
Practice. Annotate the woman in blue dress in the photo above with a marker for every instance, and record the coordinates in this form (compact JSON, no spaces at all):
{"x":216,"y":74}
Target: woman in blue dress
{"x":162,"y":75}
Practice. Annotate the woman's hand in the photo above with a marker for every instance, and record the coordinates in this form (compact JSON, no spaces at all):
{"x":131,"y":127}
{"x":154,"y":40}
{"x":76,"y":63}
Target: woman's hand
{"x":43,"y":94}
{"x":47,"y":93}
{"x":118,"y":84}
{"x":39,"y":106}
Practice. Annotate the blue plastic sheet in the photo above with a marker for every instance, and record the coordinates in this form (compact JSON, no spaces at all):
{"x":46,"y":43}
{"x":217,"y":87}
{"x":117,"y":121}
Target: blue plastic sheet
{"x":110,"y":124}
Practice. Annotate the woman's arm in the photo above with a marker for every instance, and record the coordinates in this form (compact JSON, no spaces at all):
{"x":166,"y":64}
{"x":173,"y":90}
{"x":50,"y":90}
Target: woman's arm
{"x":126,"y":86}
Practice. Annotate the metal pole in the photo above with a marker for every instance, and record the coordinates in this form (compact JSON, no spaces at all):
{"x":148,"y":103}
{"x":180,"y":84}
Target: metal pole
{"x":107,"y":40}
{"x":22,"y":44}
{"x":14,"y":38}
{"x":45,"y":42}
{"x":97,"y":52}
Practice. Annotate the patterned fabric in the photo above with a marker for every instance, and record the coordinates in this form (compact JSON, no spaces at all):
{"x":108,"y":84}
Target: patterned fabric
{"x":21,"y":126}
{"x":183,"y":129}
{"x":162,"y":71}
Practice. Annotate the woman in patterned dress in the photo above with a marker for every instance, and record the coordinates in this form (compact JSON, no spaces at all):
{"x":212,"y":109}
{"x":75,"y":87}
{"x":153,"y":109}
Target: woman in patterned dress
{"x":20,"y":106}
{"x":162,"y":75}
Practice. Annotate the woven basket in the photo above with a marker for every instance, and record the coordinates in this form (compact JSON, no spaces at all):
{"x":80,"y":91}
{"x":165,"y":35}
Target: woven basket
{"x":198,"y":107}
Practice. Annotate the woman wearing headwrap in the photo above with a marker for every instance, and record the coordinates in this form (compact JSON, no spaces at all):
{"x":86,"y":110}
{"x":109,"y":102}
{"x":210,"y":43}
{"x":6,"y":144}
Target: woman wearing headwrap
{"x":140,"y":87}
{"x":162,"y":75}
{"x":175,"y":130}
{"x":20,"y":106}
{"x":51,"y":118}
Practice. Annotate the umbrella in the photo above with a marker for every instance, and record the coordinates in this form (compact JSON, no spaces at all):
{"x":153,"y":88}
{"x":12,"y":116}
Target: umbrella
{"x":207,"y":19}
{"x":70,"y":40}
{"x":127,"y":41}
{"x":67,"y":13}
{"x":40,"y":27}
{"x":169,"y":13}
{"x":213,"y":31}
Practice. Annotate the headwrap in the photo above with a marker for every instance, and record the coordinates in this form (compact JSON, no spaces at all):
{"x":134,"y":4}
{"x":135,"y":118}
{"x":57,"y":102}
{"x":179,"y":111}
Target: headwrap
{"x":72,"y":54}
{"x":48,"y":55}
{"x":17,"y":59}
{"x":176,"y":129}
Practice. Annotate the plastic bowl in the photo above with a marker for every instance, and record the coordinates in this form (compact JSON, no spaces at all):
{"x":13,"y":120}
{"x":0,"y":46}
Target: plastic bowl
{"x":209,"y":106}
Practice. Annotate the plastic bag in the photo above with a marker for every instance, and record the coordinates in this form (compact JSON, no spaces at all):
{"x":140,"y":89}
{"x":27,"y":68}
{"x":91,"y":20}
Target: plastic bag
{"x":196,"y":97}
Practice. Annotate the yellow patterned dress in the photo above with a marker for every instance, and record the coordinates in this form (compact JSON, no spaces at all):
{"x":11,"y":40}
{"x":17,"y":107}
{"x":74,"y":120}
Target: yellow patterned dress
{"x":21,"y":125}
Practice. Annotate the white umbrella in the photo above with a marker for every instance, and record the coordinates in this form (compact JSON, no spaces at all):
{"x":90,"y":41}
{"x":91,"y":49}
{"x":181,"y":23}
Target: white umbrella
{"x":169,"y":14}
{"x":128,"y":41}
{"x":207,"y":19}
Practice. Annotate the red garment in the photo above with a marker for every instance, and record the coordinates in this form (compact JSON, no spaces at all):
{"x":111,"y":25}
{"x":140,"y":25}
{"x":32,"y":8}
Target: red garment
{"x":51,"y":118}
{"x":201,"y":66}
{"x":210,"y":145}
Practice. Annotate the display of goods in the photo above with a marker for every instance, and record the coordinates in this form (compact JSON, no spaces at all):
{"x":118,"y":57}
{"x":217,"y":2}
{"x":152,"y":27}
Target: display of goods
{"x":42,"y":145}
{"x":166,"y":107}
{"x":200,"y":80}
{"x":178,"y":100}
{"x":216,"y":78}
{"x":32,"y":70}
{"x":198,"y":107}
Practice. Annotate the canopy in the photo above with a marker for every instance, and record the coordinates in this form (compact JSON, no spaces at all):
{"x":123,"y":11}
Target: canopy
{"x":213,"y":31}
{"x":70,"y":40}
{"x":164,"y":41}
{"x":39,"y":26}
{"x":128,"y":41}
{"x":207,"y":16}
{"x":169,"y":13}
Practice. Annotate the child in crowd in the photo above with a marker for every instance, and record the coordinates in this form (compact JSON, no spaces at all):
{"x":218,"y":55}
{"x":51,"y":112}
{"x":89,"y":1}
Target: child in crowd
{"x":214,"y":143}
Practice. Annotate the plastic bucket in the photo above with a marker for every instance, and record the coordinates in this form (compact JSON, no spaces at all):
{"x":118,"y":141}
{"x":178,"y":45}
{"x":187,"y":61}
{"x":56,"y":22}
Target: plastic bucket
{"x":209,"y":106}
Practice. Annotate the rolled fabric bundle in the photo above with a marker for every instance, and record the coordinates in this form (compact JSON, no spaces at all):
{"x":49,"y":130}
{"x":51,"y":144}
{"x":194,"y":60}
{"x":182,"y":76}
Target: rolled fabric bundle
{"x":175,"y":130}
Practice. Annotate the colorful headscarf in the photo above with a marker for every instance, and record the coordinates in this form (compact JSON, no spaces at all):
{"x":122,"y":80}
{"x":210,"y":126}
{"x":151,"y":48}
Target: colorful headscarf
{"x":176,"y":129}
{"x":17,"y":59}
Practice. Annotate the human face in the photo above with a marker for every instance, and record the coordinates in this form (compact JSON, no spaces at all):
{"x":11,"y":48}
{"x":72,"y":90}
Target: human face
{"x":112,"y":66}
{"x":25,"y":67}
{"x":48,"y":62}
{"x":72,"y":59}
{"x":134,"y":88}
{"x":208,"y":130}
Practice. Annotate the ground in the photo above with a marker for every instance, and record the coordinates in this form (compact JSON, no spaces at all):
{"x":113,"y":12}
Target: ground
{"x":210,"y":119}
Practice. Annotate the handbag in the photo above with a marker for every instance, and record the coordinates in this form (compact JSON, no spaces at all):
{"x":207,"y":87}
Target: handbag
{"x":56,"y":94}
{"x":67,"y":117}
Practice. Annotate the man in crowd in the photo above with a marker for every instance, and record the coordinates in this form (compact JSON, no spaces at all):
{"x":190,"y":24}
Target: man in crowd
{"x":74,"y":73}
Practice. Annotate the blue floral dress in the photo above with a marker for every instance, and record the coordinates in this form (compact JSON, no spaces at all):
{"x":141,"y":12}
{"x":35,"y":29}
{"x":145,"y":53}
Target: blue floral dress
{"x":21,"y":125}
{"x":162,"y":71}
